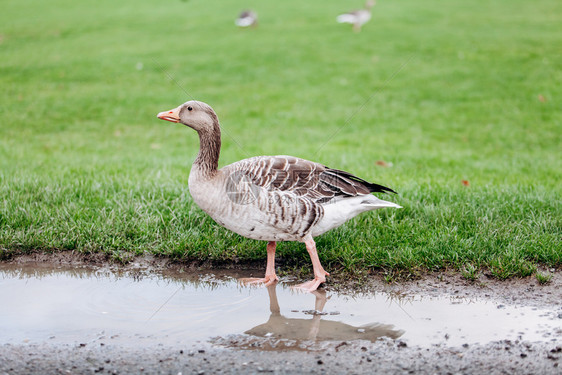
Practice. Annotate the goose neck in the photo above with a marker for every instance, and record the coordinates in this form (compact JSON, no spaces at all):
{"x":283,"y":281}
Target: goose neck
{"x":207,"y":159}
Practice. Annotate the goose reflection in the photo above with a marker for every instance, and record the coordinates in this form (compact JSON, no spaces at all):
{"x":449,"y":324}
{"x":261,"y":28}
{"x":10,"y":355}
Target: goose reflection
{"x":316,"y":328}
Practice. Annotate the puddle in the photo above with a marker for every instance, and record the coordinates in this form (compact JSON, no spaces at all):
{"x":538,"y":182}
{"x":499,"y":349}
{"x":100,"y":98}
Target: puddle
{"x":84,"y":306}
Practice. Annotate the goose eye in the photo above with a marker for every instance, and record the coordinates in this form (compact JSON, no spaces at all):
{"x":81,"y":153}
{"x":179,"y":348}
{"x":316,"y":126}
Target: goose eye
{"x":190,"y":108}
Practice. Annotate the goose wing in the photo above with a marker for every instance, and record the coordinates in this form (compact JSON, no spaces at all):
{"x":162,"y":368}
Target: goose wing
{"x":304,"y":178}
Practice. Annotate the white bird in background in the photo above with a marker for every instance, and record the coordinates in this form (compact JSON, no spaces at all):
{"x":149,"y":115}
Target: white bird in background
{"x":357,"y":17}
{"x":247,"y":18}
{"x":272,"y":198}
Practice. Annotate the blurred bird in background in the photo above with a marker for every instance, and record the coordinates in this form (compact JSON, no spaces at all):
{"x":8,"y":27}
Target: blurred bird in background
{"x":357,"y":17}
{"x":246,"y":19}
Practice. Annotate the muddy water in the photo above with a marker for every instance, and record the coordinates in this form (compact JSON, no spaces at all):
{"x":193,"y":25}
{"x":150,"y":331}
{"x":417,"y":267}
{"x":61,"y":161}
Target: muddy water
{"x":83,"y":306}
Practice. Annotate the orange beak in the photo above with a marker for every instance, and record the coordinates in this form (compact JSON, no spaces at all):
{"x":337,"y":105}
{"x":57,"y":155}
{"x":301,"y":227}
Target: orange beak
{"x":172,"y":115}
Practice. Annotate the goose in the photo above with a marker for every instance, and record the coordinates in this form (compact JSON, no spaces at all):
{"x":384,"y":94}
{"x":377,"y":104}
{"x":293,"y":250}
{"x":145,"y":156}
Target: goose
{"x":247,"y":18}
{"x":357,"y":17}
{"x":280,"y":327}
{"x":272,"y":198}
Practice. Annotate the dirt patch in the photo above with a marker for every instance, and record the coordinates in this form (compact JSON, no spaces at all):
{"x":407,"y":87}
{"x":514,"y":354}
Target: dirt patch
{"x":525,"y":291}
{"x":384,"y":356}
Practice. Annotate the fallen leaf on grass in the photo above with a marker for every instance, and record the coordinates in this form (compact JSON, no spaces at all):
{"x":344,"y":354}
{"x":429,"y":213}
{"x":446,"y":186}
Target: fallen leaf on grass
{"x":384,"y":164}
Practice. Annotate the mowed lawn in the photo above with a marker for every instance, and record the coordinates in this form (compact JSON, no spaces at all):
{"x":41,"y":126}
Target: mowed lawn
{"x":461,"y":103}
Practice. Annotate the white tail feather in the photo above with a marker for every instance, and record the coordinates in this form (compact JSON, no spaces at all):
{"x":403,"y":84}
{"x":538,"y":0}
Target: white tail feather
{"x":338,"y":211}
{"x":381,"y":204}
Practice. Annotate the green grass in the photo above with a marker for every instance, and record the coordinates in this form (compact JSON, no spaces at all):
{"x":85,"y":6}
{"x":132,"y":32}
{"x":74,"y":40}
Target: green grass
{"x":543,"y":278}
{"x":445,"y":91}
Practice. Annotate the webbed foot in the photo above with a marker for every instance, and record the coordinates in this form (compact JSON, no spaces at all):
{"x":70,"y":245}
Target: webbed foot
{"x":266,"y":281}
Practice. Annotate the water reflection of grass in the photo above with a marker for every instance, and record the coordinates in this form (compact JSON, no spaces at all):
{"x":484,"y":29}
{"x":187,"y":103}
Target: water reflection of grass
{"x":470,"y":127}
{"x":195,"y":280}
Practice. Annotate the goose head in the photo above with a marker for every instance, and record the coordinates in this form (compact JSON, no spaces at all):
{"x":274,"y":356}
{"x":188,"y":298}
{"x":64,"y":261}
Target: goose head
{"x":195,"y":114}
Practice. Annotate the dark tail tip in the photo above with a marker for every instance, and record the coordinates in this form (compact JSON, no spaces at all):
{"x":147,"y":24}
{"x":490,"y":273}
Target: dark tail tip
{"x":376,"y":188}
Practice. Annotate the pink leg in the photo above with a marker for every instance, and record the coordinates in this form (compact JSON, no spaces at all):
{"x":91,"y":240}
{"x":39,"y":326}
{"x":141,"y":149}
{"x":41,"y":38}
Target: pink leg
{"x":270,"y":276}
{"x":319,"y":272}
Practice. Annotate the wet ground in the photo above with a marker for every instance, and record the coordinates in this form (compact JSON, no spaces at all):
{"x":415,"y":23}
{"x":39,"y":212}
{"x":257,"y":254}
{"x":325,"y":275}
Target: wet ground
{"x":75,"y":317}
